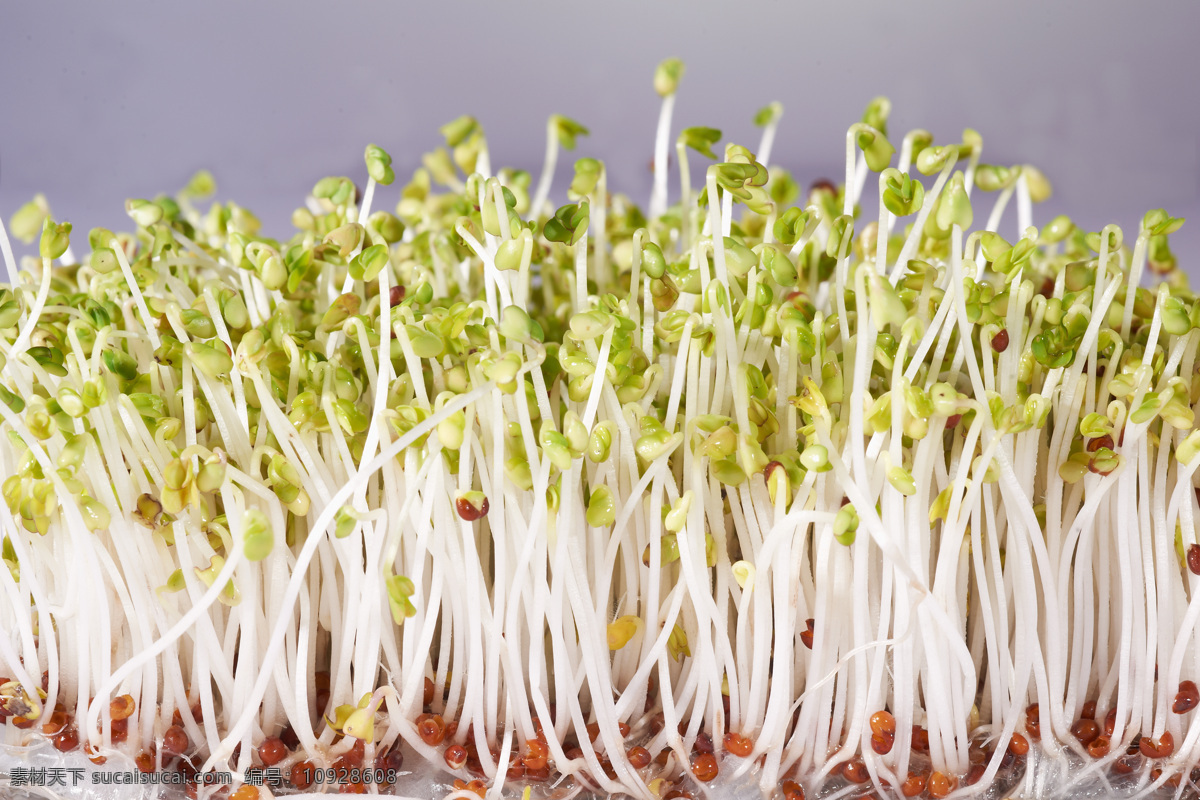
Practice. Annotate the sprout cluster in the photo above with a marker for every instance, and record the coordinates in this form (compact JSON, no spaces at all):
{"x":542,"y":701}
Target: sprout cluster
{"x":744,"y":484}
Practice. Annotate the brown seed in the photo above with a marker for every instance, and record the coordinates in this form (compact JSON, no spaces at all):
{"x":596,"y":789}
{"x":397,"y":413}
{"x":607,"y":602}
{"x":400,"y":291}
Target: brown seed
{"x":913,"y":785}
{"x":1187,"y":698}
{"x":289,"y":738}
{"x":920,"y":739}
{"x":1110,"y":722}
{"x":1088,"y":711}
{"x":431,"y":728}
{"x":120,"y":730}
{"x":791,"y":790}
{"x":1126,"y":764}
{"x":882,"y":743}
{"x":1163,"y":748}
{"x":58,"y":720}
{"x":121,"y":707}
{"x":352,"y":758}
{"x":806,"y":636}
{"x":427,"y":697}
{"x":272,"y":751}
{"x":1019,"y":745}
{"x":1000,"y":341}
{"x":186,"y":769}
{"x":67,"y":740}
{"x":639,"y":757}
{"x":456,"y":756}
{"x":389,"y":760}
{"x":468,"y":511}
{"x":175,"y":741}
{"x":678,"y":794}
{"x":1099,"y":747}
{"x":703,"y":743}
{"x":941,"y":784}
{"x":93,"y":754}
{"x":883,"y":722}
{"x":704,"y":767}
{"x":144,"y":761}
{"x":823,"y":185}
{"x":302,"y":774}
{"x":738,"y":745}
{"x":246,"y":792}
{"x":395,"y":296}
{"x":975,"y":774}
{"x":1086,"y":731}
{"x":537,"y":775}
{"x":1193,"y":558}
{"x":535,"y":761}
{"x":855,"y":771}
{"x":1033,"y":722}
{"x":1095,"y":444}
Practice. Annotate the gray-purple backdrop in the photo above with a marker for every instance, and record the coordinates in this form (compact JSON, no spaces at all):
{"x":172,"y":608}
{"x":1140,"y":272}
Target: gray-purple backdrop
{"x":101,"y":101}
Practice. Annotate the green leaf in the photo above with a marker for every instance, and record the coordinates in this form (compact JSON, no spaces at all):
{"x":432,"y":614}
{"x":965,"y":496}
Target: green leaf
{"x":954,"y":206}
{"x":367,"y":265}
{"x":701,"y":140}
{"x":876,"y":114}
{"x":202,"y":184}
{"x":845,"y":525}
{"x":567,"y":130}
{"x":379,"y":165}
{"x":667,"y":75}
{"x":27,"y":223}
{"x":901,"y":194}
{"x":768,"y":114}
{"x":876,"y":149}
{"x":602,"y":508}
{"x":120,"y":364}
{"x":258,"y":539}
{"x":569,"y":224}
{"x":400,"y":591}
{"x":587,"y":175}
{"x":56,"y":238}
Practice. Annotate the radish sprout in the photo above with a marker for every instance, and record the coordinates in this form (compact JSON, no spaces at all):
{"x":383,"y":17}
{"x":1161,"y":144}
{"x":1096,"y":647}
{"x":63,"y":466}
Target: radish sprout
{"x":742,"y":489}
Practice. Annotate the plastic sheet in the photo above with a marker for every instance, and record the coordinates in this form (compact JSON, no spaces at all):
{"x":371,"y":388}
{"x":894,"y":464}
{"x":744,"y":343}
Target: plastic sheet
{"x":1065,"y":777}
{"x":1039,"y":778}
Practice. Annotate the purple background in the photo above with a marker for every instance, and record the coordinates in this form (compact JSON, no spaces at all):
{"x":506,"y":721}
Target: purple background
{"x":100,"y":102}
